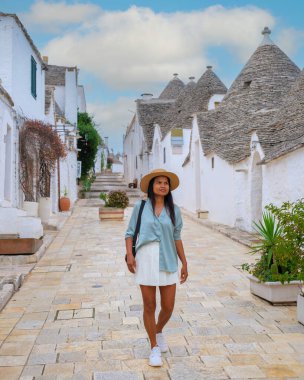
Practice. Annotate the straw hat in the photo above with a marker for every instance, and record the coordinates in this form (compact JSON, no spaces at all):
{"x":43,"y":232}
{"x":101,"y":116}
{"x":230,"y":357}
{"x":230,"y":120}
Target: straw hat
{"x":144,"y":183}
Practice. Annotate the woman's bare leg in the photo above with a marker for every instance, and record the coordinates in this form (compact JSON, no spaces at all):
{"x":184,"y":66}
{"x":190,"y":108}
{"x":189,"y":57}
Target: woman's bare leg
{"x":167,"y":295}
{"x":149,"y":300}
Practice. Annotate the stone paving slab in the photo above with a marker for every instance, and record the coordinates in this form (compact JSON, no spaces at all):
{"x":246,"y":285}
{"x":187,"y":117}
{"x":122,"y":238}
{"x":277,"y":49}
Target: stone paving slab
{"x":218,"y":329}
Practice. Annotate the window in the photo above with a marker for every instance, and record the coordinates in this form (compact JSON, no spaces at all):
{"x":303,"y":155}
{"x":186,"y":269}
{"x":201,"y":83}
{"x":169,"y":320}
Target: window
{"x":216,"y":104}
{"x":164,"y":155}
{"x":247,"y":84}
{"x":177,"y":137}
{"x":212,"y":162}
{"x":33,"y":77}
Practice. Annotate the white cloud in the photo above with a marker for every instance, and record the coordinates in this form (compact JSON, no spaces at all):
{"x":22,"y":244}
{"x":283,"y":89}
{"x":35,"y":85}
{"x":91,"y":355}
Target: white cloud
{"x":112,"y":119}
{"x":53,"y":17}
{"x":290,"y":39}
{"x":136,"y":47}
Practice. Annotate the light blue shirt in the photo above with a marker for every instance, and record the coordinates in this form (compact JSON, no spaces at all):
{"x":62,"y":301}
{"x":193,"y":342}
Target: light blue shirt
{"x":160,"y":229}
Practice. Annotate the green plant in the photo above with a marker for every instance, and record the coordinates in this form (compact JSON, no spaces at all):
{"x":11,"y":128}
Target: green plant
{"x":103,"y":196}
{"x":88,"y":143}
{"x":118,"y":199}
{"x":86,"y":184}
{"x":65,"y":192}
{"x":281,"y":247}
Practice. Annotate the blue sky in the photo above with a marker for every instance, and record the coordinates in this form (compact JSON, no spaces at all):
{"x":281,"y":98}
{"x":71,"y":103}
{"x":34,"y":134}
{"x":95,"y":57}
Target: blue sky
{"x":125,"y":48}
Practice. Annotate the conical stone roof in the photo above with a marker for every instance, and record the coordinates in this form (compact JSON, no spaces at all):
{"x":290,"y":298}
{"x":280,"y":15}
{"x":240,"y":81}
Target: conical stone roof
{"x":287,"y":132}
{"x":152,"y":112}
{"x":208,"y":85}
{"x":252,"y":102}
{"x":264,"y":79}
{"x":195,"y":98}
{"x":173,"y":88}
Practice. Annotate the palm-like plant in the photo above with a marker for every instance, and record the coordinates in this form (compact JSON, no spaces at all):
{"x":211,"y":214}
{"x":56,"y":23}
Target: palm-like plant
{"x":270,"y":231}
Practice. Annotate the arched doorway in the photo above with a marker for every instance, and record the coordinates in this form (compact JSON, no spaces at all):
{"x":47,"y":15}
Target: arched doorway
{"x":256,"y":189}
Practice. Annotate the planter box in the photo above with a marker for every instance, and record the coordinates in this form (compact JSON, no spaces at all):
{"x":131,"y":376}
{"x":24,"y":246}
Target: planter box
{"x":300,"y":309}
{"x":19,"y":246}
{"x":275,"y":292}
{"x":31,"y":208}
{"x":111,"y":213}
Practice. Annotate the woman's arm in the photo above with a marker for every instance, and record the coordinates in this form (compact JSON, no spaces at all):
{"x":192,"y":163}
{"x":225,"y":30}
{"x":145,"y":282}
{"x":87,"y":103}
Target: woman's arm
{"x":182,"y":257}
{"x":131,"y":263}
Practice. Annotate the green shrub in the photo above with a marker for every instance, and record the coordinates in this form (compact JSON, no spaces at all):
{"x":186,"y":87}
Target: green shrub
{"x":282,"y":244}
{"x":118,"y":199}
{"x":88,"y":143}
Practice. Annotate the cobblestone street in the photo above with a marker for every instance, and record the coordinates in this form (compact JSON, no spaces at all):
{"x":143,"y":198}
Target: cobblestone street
{"x":78,"y":314}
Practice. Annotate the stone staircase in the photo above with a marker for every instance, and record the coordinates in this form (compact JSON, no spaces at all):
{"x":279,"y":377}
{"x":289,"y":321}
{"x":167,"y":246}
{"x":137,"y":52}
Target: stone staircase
{"x":111,"y":182}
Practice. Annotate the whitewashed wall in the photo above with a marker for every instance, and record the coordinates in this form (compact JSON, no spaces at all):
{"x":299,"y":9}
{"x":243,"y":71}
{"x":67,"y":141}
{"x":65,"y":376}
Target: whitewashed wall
{"x":15,"y":70}
{"x":206,"y":188}
{"x":81,"y":100}
{"x":68,"y":173}
{"x":134,"y":152}
{"x":8,"y":155}
{"x":171,"y":159}
{"x":117,"y":168}
{"x":284,"y":178}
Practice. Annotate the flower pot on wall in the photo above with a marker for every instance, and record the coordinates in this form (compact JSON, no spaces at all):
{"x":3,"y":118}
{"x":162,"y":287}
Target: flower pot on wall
{"x":275,"y":292}
{"x":64,"y":203}
{"x":111,"y":213}
{"x":31,"y":208}
{"x":300,"y":308}
{"x":45,"y":206}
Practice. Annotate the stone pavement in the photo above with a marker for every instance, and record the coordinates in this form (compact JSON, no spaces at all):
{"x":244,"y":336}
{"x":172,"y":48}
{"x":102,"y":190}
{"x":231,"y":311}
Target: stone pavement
{"x":78,"y":314}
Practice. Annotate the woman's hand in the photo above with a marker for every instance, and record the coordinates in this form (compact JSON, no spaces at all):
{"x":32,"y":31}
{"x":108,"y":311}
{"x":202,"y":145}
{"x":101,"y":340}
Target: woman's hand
{"x":184,"y":274}
{"x":131,"y":263}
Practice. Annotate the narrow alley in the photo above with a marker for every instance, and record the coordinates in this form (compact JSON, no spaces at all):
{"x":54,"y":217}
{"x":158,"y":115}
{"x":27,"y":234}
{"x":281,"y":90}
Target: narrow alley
{"x":78,"y":315}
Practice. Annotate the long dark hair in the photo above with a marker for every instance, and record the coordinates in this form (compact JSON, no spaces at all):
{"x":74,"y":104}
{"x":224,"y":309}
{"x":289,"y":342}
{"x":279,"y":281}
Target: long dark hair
{"x":168,"y":200}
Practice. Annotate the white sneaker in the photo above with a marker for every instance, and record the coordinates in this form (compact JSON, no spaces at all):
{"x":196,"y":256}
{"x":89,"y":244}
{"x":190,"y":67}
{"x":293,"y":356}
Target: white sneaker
{"x":155,"y":359}
{"x":161,"y":342}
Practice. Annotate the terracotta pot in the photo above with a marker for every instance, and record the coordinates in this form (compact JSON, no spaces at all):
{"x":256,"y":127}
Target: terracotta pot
{"x":64,"y":204}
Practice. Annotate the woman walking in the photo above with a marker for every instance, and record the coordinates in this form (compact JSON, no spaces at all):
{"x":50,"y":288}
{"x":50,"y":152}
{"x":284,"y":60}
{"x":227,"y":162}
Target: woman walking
{"x":158,"y":246}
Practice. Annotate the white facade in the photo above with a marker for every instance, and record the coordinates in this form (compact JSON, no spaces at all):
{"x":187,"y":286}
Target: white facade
{"x":67,"y":97}
{"x":81,"y":100}
{"x":16,"y":57}
{"x":168,"y":156}
{"x":136,"y":157}
{"x":22,"y":81}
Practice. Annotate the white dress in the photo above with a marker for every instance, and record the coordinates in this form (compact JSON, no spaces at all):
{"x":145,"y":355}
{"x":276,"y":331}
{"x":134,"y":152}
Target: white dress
{"x":147,"y":267}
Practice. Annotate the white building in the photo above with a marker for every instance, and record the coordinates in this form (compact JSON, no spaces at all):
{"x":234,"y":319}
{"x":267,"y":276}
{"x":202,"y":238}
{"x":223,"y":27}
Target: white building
{"x":22,"y":95}
{"x":66,"y":98}
{"x":234,"y":153}
{"x":234,"y":146}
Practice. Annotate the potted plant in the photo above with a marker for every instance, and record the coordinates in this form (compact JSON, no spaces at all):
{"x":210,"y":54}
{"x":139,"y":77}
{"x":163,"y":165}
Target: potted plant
{"x":300,"y":306}
{"x":115,"y":203}
{"x":276,"y":275}
{"x":64,"y":202}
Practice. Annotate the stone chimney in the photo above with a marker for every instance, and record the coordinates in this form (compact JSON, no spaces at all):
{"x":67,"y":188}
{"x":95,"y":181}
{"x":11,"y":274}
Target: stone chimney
{"x":146,"y":96}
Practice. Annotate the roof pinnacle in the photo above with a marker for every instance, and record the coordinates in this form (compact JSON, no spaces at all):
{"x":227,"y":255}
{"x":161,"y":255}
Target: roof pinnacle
{"x":266,"y":40}
{"x":266,"y":30}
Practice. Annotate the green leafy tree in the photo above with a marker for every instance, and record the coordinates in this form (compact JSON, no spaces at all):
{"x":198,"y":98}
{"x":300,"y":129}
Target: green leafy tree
{"x":88,"y":142}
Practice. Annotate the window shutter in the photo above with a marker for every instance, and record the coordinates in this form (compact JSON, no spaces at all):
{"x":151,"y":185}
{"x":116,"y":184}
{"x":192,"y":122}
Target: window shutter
{"x":33,"y":77}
